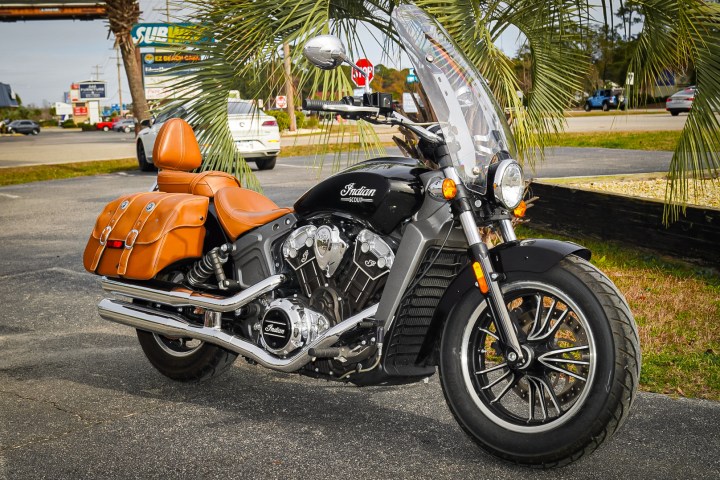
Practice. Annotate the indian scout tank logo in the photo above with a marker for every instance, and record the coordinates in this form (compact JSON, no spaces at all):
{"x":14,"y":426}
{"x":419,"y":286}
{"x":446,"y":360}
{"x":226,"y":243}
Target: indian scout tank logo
{"x":356,"y":195}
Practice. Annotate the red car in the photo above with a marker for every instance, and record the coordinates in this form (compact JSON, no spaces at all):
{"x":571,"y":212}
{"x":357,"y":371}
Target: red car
{"x":106,"y":125}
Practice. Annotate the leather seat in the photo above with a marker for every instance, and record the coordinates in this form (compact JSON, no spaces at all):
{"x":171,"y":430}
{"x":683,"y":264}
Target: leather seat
{"x":240,"y":210}
{"x":175,"y":153}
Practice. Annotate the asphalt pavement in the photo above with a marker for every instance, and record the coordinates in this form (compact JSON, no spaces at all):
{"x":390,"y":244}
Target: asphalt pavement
{"x":79,"y":400}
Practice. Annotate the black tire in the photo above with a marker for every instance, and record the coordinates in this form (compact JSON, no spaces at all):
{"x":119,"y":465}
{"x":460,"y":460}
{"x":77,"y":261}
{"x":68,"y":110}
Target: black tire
{"x":605,"y":107}
{"x":622,"y":107}
{"x":674,"y":113}
{"x":606,"y":354}
{"x":175,"y":360}
{"x":143,"y":162}
{"x":35,"y":131}
{"x":266,"y":163}
{"x":587,"y":107}
{"x":106,"y":128}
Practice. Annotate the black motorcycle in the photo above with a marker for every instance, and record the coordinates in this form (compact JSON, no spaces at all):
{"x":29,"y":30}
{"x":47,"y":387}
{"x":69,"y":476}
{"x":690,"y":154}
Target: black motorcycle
{"x":380,"y":275}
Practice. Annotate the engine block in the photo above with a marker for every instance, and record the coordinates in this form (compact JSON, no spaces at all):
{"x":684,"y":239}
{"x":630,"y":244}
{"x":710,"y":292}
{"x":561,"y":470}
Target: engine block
{"x":318,"y":255}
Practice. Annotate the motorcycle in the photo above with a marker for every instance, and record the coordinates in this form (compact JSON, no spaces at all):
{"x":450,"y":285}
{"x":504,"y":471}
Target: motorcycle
{"x":379,"y":274}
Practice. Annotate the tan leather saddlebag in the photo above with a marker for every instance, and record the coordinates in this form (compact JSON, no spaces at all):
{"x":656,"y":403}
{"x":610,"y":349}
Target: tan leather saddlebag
{"x":139,"y":234}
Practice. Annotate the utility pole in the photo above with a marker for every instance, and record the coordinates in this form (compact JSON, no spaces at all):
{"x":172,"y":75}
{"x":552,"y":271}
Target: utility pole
{"x":117,"y":57}
{"x":289,"y":90}
{"x":97,"y":72}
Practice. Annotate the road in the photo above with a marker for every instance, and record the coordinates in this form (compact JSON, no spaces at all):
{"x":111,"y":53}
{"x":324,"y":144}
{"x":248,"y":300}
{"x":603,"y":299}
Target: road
{"x":58,"y":146}
{"x":79,"y":400}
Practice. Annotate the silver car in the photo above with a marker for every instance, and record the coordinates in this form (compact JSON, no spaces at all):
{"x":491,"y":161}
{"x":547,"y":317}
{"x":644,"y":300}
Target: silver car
{"x":256,"y":134}
{"x":681,"y":101}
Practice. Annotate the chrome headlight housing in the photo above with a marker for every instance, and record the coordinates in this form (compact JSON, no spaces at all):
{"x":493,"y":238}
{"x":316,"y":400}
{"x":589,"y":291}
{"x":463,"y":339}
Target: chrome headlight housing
{"x":508,"y":184}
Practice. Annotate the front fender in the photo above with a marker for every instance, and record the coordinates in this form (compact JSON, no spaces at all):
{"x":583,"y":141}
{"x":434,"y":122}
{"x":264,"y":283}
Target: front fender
{"x":534,"y":255}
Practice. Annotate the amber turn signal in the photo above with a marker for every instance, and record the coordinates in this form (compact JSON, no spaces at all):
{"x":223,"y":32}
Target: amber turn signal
{"x":449,"y":189}
{"x":482,"y":284}
{"x":520,"y":209}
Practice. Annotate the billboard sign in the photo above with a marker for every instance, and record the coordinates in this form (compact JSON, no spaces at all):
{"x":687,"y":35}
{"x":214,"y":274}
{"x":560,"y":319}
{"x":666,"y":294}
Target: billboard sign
{"x":91,"y":90}
{"x":163,"y":34}
{"x":168,"y":63}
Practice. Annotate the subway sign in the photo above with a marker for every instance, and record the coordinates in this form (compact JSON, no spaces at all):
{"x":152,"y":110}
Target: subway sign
{"x":164,"y":34}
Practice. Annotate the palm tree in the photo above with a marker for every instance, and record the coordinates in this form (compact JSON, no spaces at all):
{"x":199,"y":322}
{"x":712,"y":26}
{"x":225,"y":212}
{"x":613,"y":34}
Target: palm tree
{"x":248,"y":36}
{"x":122,"y":15}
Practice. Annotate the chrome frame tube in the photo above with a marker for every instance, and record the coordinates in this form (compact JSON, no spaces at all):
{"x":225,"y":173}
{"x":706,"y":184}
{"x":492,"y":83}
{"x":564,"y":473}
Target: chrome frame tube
{"x":506,"y":230}
{"x":165,"y":323}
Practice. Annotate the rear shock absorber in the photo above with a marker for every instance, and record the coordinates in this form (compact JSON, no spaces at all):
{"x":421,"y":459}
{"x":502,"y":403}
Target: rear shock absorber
{"x":212,"y":264}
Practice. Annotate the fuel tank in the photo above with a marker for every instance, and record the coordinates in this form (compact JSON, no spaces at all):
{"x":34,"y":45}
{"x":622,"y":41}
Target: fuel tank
{"x":383,"y":192}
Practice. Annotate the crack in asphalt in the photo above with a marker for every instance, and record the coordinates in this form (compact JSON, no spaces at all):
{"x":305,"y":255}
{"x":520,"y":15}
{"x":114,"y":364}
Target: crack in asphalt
{"x":43,"y":439}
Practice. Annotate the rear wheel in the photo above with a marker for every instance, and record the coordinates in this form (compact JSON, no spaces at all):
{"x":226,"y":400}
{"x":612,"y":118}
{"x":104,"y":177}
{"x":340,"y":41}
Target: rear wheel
{"x":605,"y":107}
{"x":580,"y":375}
{"x":587,"y":107}
{"x":106,"y":128}
{"x":184,"y":359}
{"x":35,"y":131}
{"x":266,"y":163}
{"x":126,"y":129}
{"x":143,"y":162}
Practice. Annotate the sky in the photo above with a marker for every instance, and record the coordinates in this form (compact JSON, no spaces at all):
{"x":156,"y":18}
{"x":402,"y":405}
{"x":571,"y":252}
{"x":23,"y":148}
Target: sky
{"x":41,"y":59}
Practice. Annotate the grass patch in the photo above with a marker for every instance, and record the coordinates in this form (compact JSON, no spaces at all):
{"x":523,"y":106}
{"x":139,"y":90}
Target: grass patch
{"x":676,"y":306}
{"x":15,"y":175}
{"x":309,"y":150}
{"x":666,"y":141}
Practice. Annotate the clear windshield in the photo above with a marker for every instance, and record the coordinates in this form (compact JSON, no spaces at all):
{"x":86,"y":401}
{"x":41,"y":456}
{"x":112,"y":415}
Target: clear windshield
{"x":473,"y":124}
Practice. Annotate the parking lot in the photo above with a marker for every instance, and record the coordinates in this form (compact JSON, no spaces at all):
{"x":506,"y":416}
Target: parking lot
{"x":79,"y":400}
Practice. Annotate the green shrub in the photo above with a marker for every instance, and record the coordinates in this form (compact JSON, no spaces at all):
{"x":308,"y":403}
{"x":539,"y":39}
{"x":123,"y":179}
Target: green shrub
{"x":88,"y":127}
{"x":283,"y":119}
{"x":300,"y":119}
{"x":312,"y":122}
{"x":48,"y":123}
{"x":69,"y":123}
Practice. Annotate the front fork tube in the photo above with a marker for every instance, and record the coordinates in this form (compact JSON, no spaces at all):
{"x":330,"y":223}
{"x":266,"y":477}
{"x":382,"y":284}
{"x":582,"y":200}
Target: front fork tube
{"x":481,"y":254}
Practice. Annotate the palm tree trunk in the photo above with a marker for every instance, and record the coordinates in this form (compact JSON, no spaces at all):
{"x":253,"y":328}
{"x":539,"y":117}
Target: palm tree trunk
{"x":122,"y":15}
{"x":289,"y":90}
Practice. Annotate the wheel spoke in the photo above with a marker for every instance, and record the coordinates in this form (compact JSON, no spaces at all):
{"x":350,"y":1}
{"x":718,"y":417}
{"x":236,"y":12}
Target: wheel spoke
{"x":563,"y":371}
{"x":554,"y":328}
{"x":538,"y":311}
{"x":505,"y":390}
{"x":537,"y":385}
{"x":488,"y":332}
{"x":497,"y":380}
{"x":491,"y":369}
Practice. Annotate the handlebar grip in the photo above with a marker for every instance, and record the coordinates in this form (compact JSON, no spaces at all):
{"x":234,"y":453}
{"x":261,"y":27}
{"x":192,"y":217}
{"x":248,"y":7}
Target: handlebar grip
{"x":319,"y":105}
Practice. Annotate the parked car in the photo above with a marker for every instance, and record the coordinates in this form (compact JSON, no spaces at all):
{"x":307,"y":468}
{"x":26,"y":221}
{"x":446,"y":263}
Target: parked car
{"x":126,"y":125}
{"x":107,"y":125}
{"x":681,"y":101}
{"x":256,"y":134}
{"x":606,"y":99}
{"x":24,"y":126}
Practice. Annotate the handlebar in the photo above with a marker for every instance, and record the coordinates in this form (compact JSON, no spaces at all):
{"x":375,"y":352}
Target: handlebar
{"x":319,"y":105}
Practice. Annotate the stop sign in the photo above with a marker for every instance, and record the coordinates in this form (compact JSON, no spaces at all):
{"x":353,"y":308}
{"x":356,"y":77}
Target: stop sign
{"x":367,"y":67}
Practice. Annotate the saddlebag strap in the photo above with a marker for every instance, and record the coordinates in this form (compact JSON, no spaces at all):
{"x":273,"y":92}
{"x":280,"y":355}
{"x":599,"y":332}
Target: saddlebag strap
{"x":105,"y":234}
{"x":133,"y":234}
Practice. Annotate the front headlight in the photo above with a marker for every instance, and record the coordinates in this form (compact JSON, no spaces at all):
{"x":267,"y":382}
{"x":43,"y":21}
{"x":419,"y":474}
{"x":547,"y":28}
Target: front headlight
{"x":508,"y":184}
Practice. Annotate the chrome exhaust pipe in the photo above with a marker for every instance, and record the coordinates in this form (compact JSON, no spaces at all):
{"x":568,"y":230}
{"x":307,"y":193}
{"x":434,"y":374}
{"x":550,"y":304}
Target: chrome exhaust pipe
{"x":165,"y":323}
{"x":189,"y":298}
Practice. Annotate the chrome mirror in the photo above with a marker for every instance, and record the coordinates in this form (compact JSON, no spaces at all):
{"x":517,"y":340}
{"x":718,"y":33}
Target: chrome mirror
{"x":325,"y":51}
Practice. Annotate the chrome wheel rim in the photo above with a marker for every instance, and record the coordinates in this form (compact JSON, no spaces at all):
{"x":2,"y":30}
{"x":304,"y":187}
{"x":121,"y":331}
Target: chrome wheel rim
{"x":178,"y":347}
{"x":550,"y":388}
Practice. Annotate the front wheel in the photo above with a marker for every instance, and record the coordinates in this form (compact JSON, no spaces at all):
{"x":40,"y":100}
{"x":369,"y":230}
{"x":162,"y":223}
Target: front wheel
{"x":106,"y":128}
{"x":579,"y":377}
{"x":587,"y":107}
{"x":184,"y":359}
{"x":605,"y":107}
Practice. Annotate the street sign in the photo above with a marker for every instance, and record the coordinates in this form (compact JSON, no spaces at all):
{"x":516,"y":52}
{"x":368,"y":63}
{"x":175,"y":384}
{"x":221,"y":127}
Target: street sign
{"x":367,"y":67}
{"x":630,"y":80}
{"x":281,"y":101}
{"x":411,"y":77}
